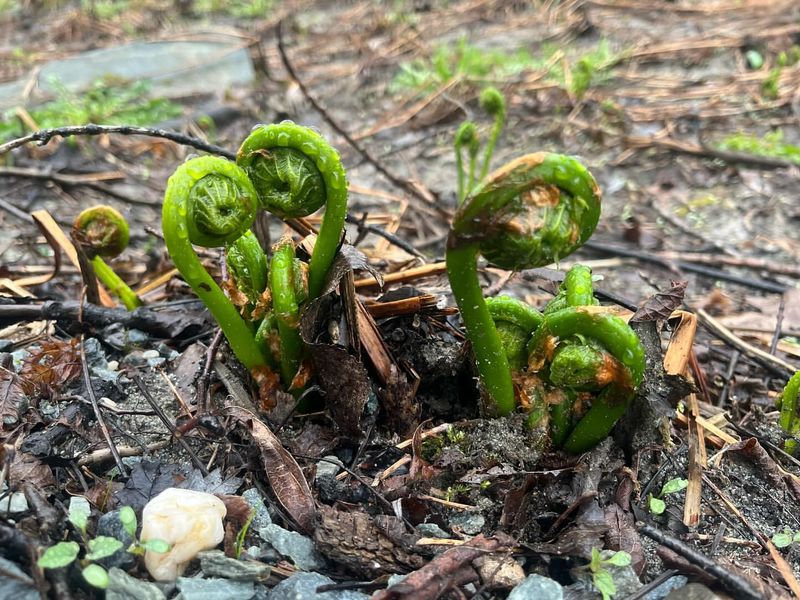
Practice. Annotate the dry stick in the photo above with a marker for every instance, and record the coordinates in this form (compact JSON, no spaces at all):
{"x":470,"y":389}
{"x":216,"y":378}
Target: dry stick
{"x":99,"y":415}
{"x":734,"y":583}
{"x":205,"y":376}
{"x":734,"y":360}
{"x":775,"y":365}
{"x":421,"y":193}
{"x":389,"y":237}
{"x":758,"y":284}
{"x":43,"y":136}
{"x":168,"y":424}
{"x":89,"y":316}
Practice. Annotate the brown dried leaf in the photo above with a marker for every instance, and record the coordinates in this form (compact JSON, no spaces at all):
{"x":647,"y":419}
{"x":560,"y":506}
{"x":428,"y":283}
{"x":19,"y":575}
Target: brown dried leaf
{"x":448,"y":571}
{"x":284,"y":474}
{"x":622,"y":535}
{"x":661,"y":305}
{"x":12,"y":391}
{"x":26,"y":468}
{"x":54,"y":365}
{"x":348,"y":259}
{"x":366,"y":546}
{"x":346,"y":384}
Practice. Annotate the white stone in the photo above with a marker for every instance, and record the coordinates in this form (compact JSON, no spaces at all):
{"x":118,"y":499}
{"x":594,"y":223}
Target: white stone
{"x":189,"y":521}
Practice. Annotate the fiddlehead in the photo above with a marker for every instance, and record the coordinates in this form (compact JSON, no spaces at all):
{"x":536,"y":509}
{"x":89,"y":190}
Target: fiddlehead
{"x":247,"y":267}
{"x":466,"y":136}
{"x":210,"y":202}
{"x":529,"y":213}
{"x":493,"y":102}
{"x":103,"y":232}
{"x":612,"y":362}
{"x":285,"y":303}
{"x":295,"y":171}
{"x":789,"y":402}
{"x":515,"y":322}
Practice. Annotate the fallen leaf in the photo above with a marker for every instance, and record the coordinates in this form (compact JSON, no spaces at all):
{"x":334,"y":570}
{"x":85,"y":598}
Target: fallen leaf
{"x":284,"y":474}
{"x":149,"y":478}
{"x":660,"y":306}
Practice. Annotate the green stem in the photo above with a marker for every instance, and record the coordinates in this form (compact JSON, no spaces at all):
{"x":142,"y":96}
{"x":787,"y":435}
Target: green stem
{"x":211,"y":202}
{"x":790,"y":410}
{"x":247,"y":266}
{"x":287,"y":311}
{"x":492,"y":102}
{"x":466,"y":135}
{"x":295,"y":171}
{"x":115,"y":284}
{"x":490,"y":355}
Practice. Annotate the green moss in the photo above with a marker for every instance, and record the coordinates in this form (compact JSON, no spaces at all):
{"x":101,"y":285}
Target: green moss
{"x":471,"y":63}
{"x":770,"y":144}
{"x":106,"y":102}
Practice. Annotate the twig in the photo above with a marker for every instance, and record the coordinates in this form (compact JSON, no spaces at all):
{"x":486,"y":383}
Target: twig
{"x":89,"y":316}
{"x":776,"y":365}
{"x":389,"y":237}
{"x":205,"y":376}
{"x":758,"y":284}
{"x":417,"y":191}
{"x":737,"y":585}
{"x":43,"y":136}
{"x":99,"y":415}
{"x":168,"y":424}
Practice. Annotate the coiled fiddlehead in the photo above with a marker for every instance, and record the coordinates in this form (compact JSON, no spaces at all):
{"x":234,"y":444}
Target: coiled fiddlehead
{"x":210,"y":202}
{"x":789,"y":402}
{"x":586,"y":350}
{"x":103,"y":232}
{"x":295,"y":171}
{"x":285,"y":303}
{"x":515,"y":322}
{"x":531,"y":212}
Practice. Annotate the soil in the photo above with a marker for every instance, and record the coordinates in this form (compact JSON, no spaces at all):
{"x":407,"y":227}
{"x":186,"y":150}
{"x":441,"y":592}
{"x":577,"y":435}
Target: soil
{"x":675,"y":207}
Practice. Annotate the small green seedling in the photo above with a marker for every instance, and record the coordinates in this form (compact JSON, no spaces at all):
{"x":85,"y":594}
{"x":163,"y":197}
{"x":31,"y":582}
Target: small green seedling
{"x":789,"y":405}
{"x":785,"y":538}
{"x":64,"y":554}
{"x":601,"y":577}
{"x":656,"y":504}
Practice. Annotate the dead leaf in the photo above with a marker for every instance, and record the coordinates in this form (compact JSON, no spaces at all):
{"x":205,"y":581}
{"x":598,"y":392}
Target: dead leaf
{"x":284,"y":474}
{"x":52,"y":366}
{"x":346,"y":384}
{"x":149,"y":478}
{"x":448,"y":571}
{"x":660,"y":306}
{"x":26,"y":468}
{"x":349,"y":258}
{"x":366,"y":546}
{"x":13,"y":390}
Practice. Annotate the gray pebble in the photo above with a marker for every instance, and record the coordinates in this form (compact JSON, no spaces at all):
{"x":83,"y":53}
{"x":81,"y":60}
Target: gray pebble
{"x":303,"y":586}
{"x":539,"y":587}
{"x":195,"y":588}
{"x":298,"y":548}
{"x":122,"y":586}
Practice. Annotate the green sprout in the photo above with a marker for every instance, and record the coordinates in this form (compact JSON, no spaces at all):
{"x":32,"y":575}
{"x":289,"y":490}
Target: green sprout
{"x":493,"y":102}
{"x":601,"y":575}
{"x":102,"y":232}
{"x":790,"y":412}
{"x":785,"y":538}
{"x":64,"y":553}
{"x":286,"y":307}
{"x":656,"y":504}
